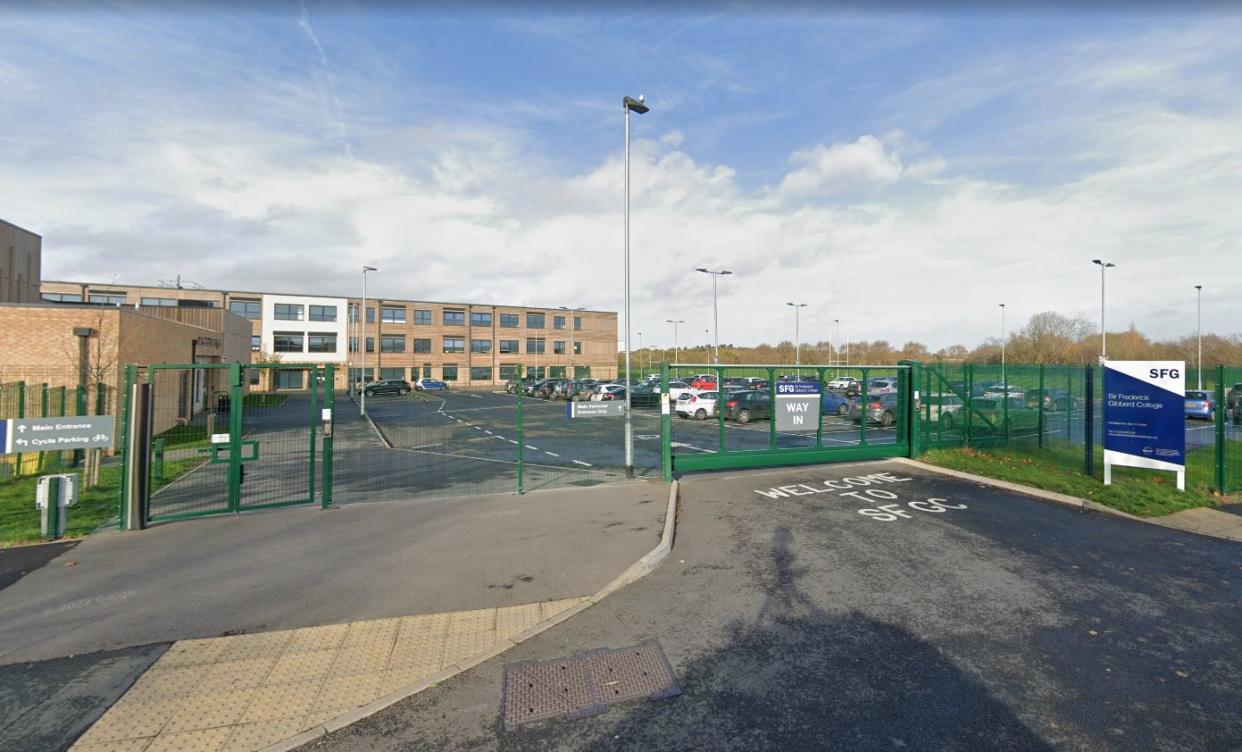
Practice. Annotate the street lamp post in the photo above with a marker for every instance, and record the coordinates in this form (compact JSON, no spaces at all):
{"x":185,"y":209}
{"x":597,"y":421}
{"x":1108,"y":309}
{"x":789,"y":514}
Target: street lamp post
{"x":636,"y":105}
{"x":715,"y":315}
{"x":676,"y":351}
{"x":362,"y":404}
{"x":1103,"y":329}
{"x":645,"y":361}
{"x":1003,"y":338}
{"x":797,"y":333}
{"x":837,"y":338}
{"x":573,"y":373}
{"x":1199,"y":329}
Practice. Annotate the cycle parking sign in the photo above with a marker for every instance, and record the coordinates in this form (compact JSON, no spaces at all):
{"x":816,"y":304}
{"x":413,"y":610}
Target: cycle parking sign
{"x":1144,"y":416}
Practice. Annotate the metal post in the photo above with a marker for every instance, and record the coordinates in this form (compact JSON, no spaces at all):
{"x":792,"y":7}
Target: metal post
{"x":1005,"y":407}
{"x":715,"y":320}
{"x":772,"y":402}
{"x":1003,"y":338}
{"x":666,"y":425}
{"x":1220,"y":415}
{"x":315,"y":374}
{"x":1089,"y":424}
{"x":136,"y":488}
{"x":21,"y":413}
{"x":235,"y":436}
{"x":819,"y":428}
{"x":1199,"y":331}
{"x":720,"y":400}
{"x":862,"y":407}
{"x":521,"y":435}
{"x":629,"y":425}
{"x":329,"y":405}
{"x":1042,"y":397}
{"x":362,"y":404}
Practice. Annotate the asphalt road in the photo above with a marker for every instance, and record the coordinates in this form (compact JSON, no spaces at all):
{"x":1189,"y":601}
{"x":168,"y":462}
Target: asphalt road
{"x":806,"y":618}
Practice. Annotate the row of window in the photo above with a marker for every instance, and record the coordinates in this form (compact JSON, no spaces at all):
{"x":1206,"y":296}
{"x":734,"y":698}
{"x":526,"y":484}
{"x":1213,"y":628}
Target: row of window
{"x":119,"y":299}
{"x":453,"y":317}
{"x":325,"y":342}
{"x":451,"y":372}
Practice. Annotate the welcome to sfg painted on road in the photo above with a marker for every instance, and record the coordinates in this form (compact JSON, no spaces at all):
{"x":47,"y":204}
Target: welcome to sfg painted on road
{"x":882,"y":504}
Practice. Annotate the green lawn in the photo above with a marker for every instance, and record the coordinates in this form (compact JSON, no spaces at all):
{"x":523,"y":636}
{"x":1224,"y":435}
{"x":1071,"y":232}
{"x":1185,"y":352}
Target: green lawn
{"x":264,"y":399}
{"x":19,"y":520}
{"x":1139,"y":492}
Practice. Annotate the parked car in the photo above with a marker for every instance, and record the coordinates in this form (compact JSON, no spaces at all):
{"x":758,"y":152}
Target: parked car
{"x":748,"y":405}
{"x":677,"y":388}
{"x":831,"y":403}
{"x":512,"y":386}
{"x":754,"y":382}
{"x":843,"y":382}
{"x":882,"y":385}
{"x":1233,"y":397}
{"x":1055,"y":400}
{"x":1005,"y":418}
{"x":545,"y":388}
{"x":574,"y":391}
{"x":608,"y":392}
{"x":643,"y":396}
{"x":1200,"y":405}
{"x":700,"y":405}
{"x":881,"y":408}
{"x":998,"y":392}
{"x":400,"y":387}
{"x":430,"y":385}
{"x":944,"y":409}
{"x":704,"y":381}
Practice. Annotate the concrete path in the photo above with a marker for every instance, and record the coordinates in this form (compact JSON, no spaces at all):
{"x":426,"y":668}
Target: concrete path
{"x":932,"y":614}
{"x":1219,"y":523}
{"x":302,"y":567}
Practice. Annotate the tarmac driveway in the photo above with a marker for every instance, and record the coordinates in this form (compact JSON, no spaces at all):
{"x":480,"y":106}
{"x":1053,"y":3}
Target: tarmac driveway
{"x":834,"y":608}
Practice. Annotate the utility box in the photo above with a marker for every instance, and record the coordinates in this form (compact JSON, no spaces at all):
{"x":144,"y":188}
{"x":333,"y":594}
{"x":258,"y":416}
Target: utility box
{"x":53,"y":495}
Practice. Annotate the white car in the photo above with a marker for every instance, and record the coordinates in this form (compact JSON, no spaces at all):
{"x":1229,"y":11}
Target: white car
{"x":695,"y":404}
{"x":606,"y":392}
{"x":678,"y":388}
{"x":842,"y":382}
{"x":882,"y":385}
{"x":998,"y":392}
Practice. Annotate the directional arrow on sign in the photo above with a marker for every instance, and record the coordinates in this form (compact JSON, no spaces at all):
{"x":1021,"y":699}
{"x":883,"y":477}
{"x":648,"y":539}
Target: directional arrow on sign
{"x":21,"y":442}
{"x":21,"y":429}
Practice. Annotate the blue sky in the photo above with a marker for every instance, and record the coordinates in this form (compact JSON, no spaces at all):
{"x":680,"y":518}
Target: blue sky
{"x":902,"y":171}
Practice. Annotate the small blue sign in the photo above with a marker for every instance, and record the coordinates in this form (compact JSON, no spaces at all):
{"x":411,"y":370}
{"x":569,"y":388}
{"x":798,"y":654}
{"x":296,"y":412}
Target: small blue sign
{"x":1144,"y":414}
{"x":797,"y":387}
{"x":4,"y":437}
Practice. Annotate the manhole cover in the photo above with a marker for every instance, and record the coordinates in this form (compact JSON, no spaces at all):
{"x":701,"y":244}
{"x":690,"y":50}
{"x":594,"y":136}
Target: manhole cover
{"x":630,"y":673}
{"x":586,"y":683}
{"x":535,"y":691}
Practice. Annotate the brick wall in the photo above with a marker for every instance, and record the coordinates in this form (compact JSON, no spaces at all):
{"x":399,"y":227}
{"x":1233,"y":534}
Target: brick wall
{"x":20,"y":264}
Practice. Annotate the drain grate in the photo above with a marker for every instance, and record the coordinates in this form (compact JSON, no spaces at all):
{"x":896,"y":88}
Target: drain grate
{"x":585,"y":684}
{"x":631,"y":673}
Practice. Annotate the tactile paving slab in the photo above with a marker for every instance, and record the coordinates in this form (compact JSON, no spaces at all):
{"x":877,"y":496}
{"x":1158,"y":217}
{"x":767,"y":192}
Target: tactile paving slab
{"x":585,"y":684}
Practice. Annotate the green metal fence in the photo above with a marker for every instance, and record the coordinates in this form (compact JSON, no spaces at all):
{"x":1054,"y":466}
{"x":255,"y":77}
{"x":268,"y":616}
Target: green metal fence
{"x":1057,"y":412}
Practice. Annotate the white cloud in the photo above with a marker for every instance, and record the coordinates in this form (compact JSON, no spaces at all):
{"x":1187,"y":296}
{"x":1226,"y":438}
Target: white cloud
{"x":841,"y":168}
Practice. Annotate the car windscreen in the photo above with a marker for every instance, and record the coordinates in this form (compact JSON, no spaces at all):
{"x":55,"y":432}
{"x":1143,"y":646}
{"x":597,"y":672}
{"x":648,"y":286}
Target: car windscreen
{"x":1196,"y":395}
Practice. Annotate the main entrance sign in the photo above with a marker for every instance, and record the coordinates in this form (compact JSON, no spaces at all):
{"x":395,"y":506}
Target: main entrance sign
{"x":1144,"y":416}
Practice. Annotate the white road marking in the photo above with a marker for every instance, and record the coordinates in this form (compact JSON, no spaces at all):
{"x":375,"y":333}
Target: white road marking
{"x":487,"y":431}
{"x":677,"y":444}
{"x":551,"y":454}
{"x":532,"y":448}
{"x":584,"y":464}
{"x":511,"y":441}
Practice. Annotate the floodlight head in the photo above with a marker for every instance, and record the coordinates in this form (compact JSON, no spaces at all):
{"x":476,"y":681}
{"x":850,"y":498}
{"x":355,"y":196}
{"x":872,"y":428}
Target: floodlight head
{"x":369,"y":269}
{"x":1198,"y":287}
{"x":701,"y":269}
{"x":637,"y":105}
{"x":1097,"y":261}
{"x":726,"y":271}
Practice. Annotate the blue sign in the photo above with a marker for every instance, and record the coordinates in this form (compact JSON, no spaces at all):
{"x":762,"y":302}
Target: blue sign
{"x":1144,"y":416}
{"x":797,"y":387}
{"x":4,"y":437}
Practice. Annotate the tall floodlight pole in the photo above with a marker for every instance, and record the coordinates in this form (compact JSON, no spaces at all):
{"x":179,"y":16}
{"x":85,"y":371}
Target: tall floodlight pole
{"x":797,"y":333}
{"x":638,"y":106}
{"x":1199,"y":329}
{"x":1003,"y":338}
{"x":676,"y":351}
{"x":1103,"y":330}
{"x":573,"y":373}
{"x":362,"y":404}
{"x":716,"y":273}
{"x":642,"y":352}
{"x":837,"y":337}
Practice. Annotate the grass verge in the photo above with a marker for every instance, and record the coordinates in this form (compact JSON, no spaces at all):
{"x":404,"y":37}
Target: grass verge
{"x":1139,"y":492}
{"x":19,"y":520}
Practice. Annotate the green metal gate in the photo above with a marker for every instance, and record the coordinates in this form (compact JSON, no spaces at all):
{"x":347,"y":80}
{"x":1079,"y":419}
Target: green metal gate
{"x":867,"y":412}
{"x":228,"y":438}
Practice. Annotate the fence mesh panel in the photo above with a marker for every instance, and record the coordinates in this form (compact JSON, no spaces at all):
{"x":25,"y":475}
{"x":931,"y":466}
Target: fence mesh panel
{"x":48,"y":392}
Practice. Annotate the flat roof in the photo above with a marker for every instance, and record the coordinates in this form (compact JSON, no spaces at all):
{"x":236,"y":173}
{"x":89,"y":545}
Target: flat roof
{"x":115,"y":285}
{"x":19,"y":227}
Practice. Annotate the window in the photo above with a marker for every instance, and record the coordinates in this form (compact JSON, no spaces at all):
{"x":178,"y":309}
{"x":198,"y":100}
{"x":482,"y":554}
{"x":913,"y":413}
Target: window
{"x":535,"y":345}
{"x":426,"y":370}
{"x":558,"y":347}
{"x":62,"y":297}
{"x":448,"y":373}
{"x":322,"y":342}
{"x":577,"y":348}
{"x":256,"y":342}
{"x":556,"y":372}
{"x":322,"y":313}
{"x":422,"y":317}
{"x":249,"y":309}
{"x":288,"y":379}
{"x":510,"y":370}
{"x":107,"y":298}
{"x":582,"y":372}
{"x":480,"y":319}
{"x":510,"y":320}
{"x":392,"y":314}
{"x":392,"y":343}
{"x":454,"y":345}
{"x":577,"y":323}
{"x":534,"y":321}
{"x":558,"y":322}
{"x":353,"y":311}
{"x":288,"y":312}
{"x":510,"y":346}
{"x":422,"y":345}
{"x":192,"y":303}
{"x":353,"y":344}
{"x":537,"y":372}
{"x":370,"y":344}
{"x":164,"y":302}
{"x":480,"y":345}
{"x":370,"y":315}
{"x":252,"y":376}
{"x":392,"y":373}
{"x":291,"y":342}
{"x":480,"y":374}
{"x":454,"y":318}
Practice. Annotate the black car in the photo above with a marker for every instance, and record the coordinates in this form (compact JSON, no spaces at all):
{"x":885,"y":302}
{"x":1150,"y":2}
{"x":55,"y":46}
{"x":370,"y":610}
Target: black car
{"x":747,"y":406}
{"x":574,"y":391}
{"x":513,"y":385}
{"x":399,"y":387}
{"x":644,"y":396}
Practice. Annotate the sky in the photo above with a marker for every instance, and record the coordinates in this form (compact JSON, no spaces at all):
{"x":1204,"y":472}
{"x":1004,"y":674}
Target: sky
{"x":904,"y":172}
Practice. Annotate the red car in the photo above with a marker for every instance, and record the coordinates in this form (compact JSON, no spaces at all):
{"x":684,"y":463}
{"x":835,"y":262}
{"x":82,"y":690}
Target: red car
{"x":703,"y":382}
